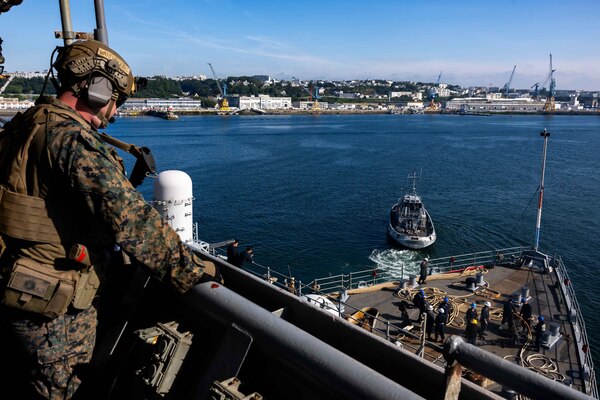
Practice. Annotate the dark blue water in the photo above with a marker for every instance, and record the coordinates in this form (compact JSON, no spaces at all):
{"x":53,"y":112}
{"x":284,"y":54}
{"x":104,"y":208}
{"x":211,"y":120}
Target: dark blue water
{"x":312,"y":193}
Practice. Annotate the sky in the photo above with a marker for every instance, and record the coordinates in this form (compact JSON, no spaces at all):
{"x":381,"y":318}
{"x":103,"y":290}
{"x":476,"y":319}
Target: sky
{"x":472,"y":43}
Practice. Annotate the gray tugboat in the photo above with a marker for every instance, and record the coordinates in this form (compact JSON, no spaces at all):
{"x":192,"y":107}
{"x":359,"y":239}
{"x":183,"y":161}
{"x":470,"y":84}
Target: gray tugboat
{"x":409,"y":222}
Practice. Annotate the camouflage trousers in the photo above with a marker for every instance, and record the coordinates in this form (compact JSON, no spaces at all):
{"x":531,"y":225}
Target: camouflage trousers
{"x":45,"y":358}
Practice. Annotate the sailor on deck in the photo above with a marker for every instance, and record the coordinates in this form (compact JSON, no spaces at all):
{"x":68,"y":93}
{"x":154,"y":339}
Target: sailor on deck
{"x":424,"y":271}
{"x":440,"y":324}
{"x":526,"y":313}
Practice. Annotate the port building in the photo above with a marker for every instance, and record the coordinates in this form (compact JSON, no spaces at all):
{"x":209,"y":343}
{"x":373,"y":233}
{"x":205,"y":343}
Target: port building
{"x":13,"y":103}
{"x":183,"y":104}
{"x":491,"y":105}
{"x":261,"y":102}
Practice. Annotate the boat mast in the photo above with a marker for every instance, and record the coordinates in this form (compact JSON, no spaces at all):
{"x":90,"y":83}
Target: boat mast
{"x":414,"y":181}
{"x":545,"y":134}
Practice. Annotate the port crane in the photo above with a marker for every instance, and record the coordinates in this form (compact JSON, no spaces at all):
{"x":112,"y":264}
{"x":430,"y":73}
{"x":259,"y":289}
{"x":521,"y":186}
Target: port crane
{"x":8,"y":78}
{"x":315,"y":95}
{"x":223,"y":103}
{"x":433,"y":94}
{"x":506,"y":88}
{"x":2,"y":59}
{"x":535,"y":91}
{"x":549,"y":106}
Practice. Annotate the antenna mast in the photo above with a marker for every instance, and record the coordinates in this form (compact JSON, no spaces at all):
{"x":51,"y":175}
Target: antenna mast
{"x":545,"y":134}
{"x":69,"y":36}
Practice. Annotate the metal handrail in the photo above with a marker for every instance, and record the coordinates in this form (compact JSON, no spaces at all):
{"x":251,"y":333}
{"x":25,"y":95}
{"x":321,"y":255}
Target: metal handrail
{"x":573,"y":304}
{"x":437,"y":266}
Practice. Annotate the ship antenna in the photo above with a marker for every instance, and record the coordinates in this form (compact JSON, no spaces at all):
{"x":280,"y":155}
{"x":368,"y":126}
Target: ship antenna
{"x":414,"y":181}
{"x":545,"y":134}
{"x":69,"y":36}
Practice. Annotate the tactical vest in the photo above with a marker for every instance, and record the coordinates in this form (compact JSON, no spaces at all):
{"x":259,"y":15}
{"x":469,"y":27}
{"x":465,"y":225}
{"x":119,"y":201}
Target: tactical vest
{"x":40,"y":220}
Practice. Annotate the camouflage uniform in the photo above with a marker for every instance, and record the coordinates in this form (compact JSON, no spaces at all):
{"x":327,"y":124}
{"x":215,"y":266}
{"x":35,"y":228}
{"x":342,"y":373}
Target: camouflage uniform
{"x":78,"y":172}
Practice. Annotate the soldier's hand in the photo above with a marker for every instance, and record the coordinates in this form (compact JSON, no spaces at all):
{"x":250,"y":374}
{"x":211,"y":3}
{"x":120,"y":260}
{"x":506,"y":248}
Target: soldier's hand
{"x":211,"y":273}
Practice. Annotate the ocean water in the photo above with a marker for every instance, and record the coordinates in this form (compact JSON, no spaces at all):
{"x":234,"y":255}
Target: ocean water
{"x":312,"y":193}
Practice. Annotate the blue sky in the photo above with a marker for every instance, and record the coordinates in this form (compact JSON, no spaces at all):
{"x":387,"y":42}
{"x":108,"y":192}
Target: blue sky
{"x":471,"y":42}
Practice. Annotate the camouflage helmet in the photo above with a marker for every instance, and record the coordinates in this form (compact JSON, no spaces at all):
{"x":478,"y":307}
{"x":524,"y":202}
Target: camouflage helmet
{"x":79,"y":60}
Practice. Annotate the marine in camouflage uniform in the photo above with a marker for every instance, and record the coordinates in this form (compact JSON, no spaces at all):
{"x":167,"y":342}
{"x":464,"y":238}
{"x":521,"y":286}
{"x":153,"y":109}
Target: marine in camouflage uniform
{"x":89,"y":201}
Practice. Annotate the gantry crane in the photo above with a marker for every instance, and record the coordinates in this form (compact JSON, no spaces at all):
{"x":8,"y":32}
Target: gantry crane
{"x":222,"y":102}
{"x":433,"y":94}
{"x":507,"y":84}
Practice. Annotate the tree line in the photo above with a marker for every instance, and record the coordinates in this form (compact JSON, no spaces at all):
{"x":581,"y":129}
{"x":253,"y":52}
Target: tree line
{"x":208,"y":89}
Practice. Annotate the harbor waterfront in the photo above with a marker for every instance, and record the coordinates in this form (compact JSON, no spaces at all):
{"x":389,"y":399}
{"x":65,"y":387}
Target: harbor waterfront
{"x":312,"y":193}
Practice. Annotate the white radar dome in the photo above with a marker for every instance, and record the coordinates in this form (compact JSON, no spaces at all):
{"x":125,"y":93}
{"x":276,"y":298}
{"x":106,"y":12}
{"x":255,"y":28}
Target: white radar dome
{"x":173,"y":197}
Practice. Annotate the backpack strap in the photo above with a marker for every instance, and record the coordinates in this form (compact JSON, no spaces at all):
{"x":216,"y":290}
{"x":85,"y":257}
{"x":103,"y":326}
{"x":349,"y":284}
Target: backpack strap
{"x":144,"y":164}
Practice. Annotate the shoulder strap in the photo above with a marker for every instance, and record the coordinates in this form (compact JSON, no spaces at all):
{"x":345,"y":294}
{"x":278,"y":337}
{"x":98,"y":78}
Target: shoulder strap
{"x":144,"y":164}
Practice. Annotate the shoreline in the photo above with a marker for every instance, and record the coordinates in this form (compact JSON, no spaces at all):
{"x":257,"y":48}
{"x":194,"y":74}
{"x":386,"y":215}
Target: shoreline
{"x":210,"y":112}
{"x":353,"y":112}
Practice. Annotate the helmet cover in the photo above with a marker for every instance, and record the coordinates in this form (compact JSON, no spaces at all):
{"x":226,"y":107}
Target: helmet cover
{"x":80,"y":60}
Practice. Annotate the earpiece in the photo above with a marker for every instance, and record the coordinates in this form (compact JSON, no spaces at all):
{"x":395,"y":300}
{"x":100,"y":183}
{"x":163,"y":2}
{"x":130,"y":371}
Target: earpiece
{"x":99,"y":91}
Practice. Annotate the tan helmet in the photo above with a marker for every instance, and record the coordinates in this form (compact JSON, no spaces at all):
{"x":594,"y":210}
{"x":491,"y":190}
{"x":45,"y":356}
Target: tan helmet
{"x":78,"y":61}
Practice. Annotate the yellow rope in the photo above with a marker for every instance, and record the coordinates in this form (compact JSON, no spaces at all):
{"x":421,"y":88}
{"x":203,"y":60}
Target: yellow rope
{"x":547,"y":367}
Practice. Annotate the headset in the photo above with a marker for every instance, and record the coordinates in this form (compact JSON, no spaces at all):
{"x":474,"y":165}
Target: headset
{"x":99,"y":90}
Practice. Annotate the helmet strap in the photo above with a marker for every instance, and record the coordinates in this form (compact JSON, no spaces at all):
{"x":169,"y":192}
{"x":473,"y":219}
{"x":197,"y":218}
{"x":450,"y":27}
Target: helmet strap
{"x":106,"y":118}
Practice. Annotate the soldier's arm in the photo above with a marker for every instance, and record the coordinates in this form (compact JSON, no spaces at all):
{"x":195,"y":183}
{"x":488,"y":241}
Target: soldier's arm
{"x":137,"y":227}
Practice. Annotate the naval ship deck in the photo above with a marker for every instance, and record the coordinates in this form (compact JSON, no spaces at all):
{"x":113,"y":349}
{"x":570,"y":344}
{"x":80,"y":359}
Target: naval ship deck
{"x":494,"y":276}
{"x":559,"y":362}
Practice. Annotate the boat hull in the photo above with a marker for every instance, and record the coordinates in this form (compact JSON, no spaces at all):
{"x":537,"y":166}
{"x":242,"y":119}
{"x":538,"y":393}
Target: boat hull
{"x":411,"y":241}
{"x":401,"y":226}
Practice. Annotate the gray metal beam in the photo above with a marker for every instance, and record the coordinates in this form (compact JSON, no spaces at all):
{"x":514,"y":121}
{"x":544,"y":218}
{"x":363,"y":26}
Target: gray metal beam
{"x":522,"y":380}
{"x":306,"y":355}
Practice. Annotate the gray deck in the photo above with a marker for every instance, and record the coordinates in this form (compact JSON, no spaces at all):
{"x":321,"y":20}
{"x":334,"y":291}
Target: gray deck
{"x":546,"y":300}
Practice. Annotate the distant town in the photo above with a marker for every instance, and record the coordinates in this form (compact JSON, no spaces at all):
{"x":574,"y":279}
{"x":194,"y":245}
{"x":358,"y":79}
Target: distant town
{"x":262,"y":94}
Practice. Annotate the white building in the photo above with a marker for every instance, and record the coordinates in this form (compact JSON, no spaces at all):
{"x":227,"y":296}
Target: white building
{"x":28,"y":75}
{"x":262,"y":102}
{"x":400,"y":94}
{"x":183,"y":104}
{"x":13,"y":103}
{"x":491,"y":105}
{"x":443,"y":92}
{"x":312,"y":105}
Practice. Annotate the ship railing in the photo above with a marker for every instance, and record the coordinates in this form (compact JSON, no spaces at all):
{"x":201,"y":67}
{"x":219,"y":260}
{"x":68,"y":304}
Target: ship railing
{"x":460,"y":262}
{"x":390,"y":331}
{"x":329,"y":287}
{"x":393,"y":332}
{"x":576,"y":318}
{"x":388,"y":273}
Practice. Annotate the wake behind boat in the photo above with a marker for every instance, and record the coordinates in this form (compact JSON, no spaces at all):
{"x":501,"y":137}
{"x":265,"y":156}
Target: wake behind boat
{"x":409,"y":223}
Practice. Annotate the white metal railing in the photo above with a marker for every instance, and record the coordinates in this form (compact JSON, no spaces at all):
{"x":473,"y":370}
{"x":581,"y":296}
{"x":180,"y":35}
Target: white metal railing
{"x":440,"y":265}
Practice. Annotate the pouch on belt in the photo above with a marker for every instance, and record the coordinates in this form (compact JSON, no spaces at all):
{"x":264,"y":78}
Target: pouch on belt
{"x":39,"y":288}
